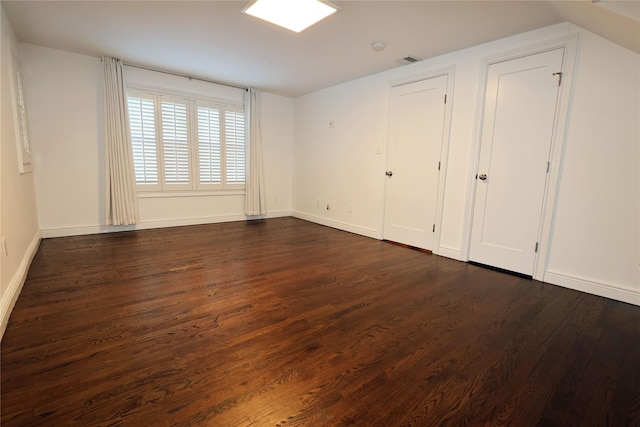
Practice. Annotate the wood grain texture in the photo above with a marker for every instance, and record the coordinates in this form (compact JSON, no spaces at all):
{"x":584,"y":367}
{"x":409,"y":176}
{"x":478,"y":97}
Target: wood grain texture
{"x":287,"y":323}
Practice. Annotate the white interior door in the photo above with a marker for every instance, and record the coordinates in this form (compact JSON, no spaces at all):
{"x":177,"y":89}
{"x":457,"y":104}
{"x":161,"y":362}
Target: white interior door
{"x":417,"y":113}
{"x":517,"y":130}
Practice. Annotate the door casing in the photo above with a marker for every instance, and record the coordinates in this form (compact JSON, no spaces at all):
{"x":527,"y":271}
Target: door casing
{"x":570,"y":45}
{"x":444,"y":153}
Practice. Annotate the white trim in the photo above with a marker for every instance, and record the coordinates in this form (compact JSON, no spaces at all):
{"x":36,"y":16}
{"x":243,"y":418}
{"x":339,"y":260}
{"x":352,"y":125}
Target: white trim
{"x":444,"y":157}
{"x":449,"y":72}
{"x":570,"y":45}
{"x":156,"y":194}
{"x":556,"y":156}
{"x":145,"y":225}
{"x":344,"y":226}
{"x":382,"y":161}
{"x":607,"y":290}
{"x":48,"y":233}
{"x":11,"y":294}
{"x":270,"y":214}
{"x":474,"y":159}
{"x":423,"y":75}
{"x":450,"y":253}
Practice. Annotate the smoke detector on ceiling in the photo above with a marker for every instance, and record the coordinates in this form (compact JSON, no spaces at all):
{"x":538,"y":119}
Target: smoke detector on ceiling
{"x":377,"y":46}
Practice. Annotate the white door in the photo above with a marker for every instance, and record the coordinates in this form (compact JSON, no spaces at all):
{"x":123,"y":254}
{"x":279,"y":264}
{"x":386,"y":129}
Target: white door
{"x":517,"y":129}
{"x":416,"y":126}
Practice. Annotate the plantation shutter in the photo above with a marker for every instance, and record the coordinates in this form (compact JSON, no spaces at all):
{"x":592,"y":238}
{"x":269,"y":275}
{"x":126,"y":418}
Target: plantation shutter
{"x":143,"y":139}
{"x":235,"y":149}
{"x":186,"y":144}
{"x":175,"y":142}
{"x":209,"y":153}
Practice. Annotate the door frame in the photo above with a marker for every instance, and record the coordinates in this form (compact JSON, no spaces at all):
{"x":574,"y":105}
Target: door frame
{"x":556,"y":156}
{"x":444,"y":148}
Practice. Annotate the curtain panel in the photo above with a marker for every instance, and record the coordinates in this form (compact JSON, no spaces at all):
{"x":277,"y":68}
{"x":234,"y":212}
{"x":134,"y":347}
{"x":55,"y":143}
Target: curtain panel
{"x":255,"y":199}
{"x":121,"y":205}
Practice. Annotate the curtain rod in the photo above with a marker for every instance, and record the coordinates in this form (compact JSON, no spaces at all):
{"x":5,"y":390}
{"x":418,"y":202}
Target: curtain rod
{"x":181,"y":75}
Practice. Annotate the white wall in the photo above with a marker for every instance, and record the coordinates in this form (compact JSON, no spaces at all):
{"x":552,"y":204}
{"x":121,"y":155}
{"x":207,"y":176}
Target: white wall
{"x":18,"y":213}
{"x":360,"y":111}
{"x":66,"y":112}
{"x":67,"y":133}
{"x":340,"y":165}
{"x":594,"y":242}
{"x":277,"y":147}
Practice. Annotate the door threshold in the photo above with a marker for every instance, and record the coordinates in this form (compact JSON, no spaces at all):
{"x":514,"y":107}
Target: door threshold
{"x":404,"y":245}
{"x":501,"y":270}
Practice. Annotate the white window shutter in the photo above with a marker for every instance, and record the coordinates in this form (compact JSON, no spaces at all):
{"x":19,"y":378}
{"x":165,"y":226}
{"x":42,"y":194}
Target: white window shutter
{"x":143,"y":139}
{"x":180,"y":143}
{"x":175,"y":142}
{"x":235,"y":149}
{"x":209,"y":154}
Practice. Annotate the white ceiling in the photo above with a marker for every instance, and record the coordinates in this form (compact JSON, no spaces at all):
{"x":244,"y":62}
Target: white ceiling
{"x":213,"y":40}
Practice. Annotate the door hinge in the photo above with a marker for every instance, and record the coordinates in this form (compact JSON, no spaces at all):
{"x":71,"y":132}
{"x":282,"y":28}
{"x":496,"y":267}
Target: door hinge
{"x":445,"y":98}
{"x":536,"y":249}
{"x":438,"y":165}
{"x":548,"y":166}
{"x":434,"y":228}
{"x":559,"y":74}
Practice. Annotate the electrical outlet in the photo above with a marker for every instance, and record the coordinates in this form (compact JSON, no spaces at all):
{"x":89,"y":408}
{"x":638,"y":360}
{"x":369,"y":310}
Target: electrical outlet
{"x":350,"y":209}
{"x":317,"y":203}
{"x":275,"y":199}
{"x":332,"y":124}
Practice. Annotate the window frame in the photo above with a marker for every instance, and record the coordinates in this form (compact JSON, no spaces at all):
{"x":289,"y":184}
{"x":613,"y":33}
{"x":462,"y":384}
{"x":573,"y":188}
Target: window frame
{"x":21,"y":122}
{"x":164,"y":189}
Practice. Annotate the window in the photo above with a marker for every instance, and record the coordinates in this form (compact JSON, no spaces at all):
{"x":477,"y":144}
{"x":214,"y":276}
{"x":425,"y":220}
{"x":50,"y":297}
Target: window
{"x":142,"y":121}
{"x":235,"y":152}
{"x":186,"y":144}
{"x":175,"y":142}
{"x":20,"y":114}
{"x":209,"y":155}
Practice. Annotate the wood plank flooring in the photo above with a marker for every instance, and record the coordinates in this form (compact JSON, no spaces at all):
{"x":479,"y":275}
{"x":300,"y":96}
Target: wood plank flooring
{"x":287,"y":323}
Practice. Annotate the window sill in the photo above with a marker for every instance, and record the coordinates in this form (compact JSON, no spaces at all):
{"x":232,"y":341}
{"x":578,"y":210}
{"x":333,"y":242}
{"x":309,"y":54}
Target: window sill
{"x":206,"y":193}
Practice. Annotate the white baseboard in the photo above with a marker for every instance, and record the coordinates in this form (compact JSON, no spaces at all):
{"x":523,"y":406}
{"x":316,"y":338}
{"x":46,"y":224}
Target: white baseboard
{"x":616,"y":292}
{"x":450,"y":253}
{"x":48,"y":233}
{"x":351,"y":228}
{"x":11,"y":294}
{"x":144,"y":225}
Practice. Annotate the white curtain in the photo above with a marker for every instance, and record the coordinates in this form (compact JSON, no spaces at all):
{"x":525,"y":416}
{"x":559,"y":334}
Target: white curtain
{"x":121,"y":199}
{"x":255,"y":201}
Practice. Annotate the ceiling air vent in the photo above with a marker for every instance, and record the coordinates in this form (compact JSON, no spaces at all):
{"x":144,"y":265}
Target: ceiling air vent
{"x":409,"y":60}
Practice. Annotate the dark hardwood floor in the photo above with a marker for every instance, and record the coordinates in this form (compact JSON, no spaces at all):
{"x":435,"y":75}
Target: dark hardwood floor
{"x":287,"y":323}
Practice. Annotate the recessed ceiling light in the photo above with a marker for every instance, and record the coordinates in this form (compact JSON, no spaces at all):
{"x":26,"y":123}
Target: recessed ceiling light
{"x":294,"y":15}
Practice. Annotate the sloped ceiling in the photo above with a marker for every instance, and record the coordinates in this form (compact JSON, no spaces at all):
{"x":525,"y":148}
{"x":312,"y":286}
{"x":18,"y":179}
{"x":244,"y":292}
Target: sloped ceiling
{"x":618,"y":21}
{"x":213,"y":40}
